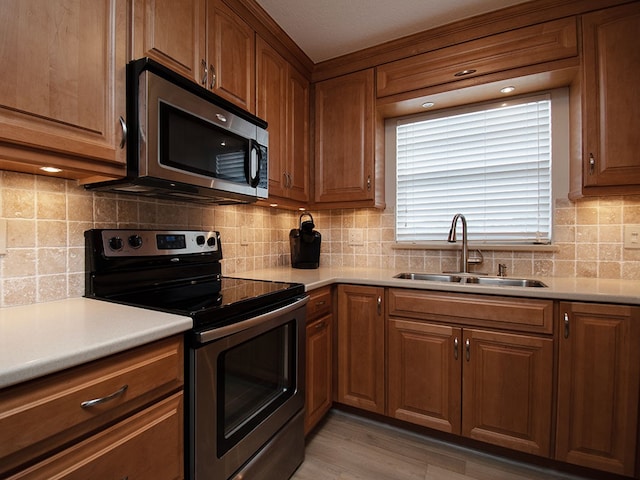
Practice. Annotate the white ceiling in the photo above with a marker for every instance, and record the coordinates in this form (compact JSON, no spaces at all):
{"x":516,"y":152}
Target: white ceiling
{"x":325,"y":29}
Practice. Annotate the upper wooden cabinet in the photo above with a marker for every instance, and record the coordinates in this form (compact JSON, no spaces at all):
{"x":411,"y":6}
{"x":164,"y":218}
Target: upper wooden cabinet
{"x":504,"y":51}
{"x":598,"y":382}
{"x":608,"y":162}
{"x":283,"y":101}
{"x":347,"y":170}
{"x":62,"y":87}
{"x":203,"y":40}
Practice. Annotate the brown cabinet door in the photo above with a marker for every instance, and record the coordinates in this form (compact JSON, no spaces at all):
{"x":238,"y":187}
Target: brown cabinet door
{"x":62,"y":88}
{"x":598,"y":381}
{"x":319,"y":376}
{"x":507,"y":391}
{"x":298,"y":136}
{"x":231,"y":56}
{"x":344,"y":143}
{"x":361,"y":355}
{"x":271,"y":96}
{"x":424,"y":374}
{"x":146,"y":445}
{"x":172,"y":33}
{"x":611,"y":100}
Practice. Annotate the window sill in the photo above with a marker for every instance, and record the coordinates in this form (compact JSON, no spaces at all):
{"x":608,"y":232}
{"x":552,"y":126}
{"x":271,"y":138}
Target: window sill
{"x":485,"y":247}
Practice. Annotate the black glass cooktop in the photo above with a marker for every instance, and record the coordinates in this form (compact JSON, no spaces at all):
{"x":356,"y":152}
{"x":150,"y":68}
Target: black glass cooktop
{"x":212,"y":301}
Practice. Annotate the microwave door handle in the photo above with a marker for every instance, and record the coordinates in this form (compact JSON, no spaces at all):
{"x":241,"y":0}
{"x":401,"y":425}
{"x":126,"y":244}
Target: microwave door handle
{"x":252,"y":167}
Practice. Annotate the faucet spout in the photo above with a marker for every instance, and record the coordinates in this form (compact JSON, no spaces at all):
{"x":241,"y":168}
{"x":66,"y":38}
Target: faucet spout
{"x":463,"y":265}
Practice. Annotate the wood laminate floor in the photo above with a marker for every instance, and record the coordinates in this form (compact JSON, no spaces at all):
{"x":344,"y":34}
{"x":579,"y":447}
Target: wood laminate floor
{"x":346,"y":447}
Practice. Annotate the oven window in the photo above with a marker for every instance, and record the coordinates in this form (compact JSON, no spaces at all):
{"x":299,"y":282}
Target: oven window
{"x":255,"y":378}
{"x":195,"y":145}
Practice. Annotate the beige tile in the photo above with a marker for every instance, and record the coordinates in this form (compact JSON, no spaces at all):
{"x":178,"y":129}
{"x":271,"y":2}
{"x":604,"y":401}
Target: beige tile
{"x":19,"y":262}
{"x":51,"y":233}
{"x":19,"y":291}
{"x":52,"y":206}
{"x":52,"y":287}
{"x":52,"y":261}
{"x":17,"y":203}
{"x":21,"y":233}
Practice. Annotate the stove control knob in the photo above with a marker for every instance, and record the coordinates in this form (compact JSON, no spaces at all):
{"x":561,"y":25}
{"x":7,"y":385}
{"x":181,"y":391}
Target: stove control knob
{"x":200,"y":239}
{"x":135,"y":241}
{"x":115,"y":243}
{"x":211,"y":241}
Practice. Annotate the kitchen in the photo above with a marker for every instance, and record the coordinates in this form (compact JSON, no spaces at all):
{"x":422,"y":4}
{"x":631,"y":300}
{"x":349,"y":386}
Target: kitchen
{"x":46,"y":217}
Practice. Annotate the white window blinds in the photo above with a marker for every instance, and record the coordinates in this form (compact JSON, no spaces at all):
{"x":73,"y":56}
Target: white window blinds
{"x":492,"y":164}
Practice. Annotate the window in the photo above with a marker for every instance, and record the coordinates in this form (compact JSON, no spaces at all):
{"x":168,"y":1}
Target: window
{"x":491,"y":163}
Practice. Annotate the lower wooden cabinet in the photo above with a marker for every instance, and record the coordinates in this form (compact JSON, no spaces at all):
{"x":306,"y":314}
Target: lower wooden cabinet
{"x":361,"y":353}
{"x":148,"y":445}
{"x":598,"y":385}
{"x":104,"y":412}
{"x":490,"y":386}
{"x":319,"y":375}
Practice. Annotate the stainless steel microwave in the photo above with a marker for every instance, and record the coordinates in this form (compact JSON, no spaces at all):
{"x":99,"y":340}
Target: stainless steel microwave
{"x":187,"y":143}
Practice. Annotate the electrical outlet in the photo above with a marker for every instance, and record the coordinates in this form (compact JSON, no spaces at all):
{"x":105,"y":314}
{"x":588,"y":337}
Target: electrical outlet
{"x":356,"y":237}
{"x":632,"y":236}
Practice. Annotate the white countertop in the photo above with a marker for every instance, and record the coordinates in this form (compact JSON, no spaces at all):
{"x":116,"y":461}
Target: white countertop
{"x":576,"y":289}
{"x":43,"y":338}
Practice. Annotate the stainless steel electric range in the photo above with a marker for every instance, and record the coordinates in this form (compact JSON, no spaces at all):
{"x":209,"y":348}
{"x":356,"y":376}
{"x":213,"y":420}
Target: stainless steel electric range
{"x":245,"y":354}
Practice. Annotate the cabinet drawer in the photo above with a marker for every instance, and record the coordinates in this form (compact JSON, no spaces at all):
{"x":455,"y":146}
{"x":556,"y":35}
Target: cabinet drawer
{"x":146,"y":445}
{"x":508,"y":313}
{"x":517,"y":48}
{"x":319,"y":303}
{"x":41,"y":415}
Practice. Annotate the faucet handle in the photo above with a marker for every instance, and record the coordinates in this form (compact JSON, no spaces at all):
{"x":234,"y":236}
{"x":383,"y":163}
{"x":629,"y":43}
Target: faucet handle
{"x":502,"y":270}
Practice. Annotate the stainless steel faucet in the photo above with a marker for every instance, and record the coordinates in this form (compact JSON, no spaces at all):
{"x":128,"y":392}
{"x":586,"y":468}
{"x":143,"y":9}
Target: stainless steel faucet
{"x":463,"y":266}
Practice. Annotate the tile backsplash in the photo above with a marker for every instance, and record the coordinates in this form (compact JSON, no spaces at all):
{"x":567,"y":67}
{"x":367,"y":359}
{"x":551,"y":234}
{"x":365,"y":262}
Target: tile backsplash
{"x":46,"y":218}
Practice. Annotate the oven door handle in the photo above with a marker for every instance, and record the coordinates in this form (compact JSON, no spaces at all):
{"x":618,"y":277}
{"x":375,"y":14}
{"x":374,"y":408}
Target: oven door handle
{"x":220,"y":332}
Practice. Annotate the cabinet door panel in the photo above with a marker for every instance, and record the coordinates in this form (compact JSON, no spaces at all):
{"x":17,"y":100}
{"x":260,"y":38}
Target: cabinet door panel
{"x":62,"y":88}
{"x":319,"y":375}
{"x":345,"y":138}
{"x":173,"y":33}
{"x":598,"y":378}
{"x":611,"y":97}
{"x":424,"y":374}
{"x":361,"y":347}
{"x":508,"y":390}
{"x":231,"y":52}
{"x":146,"y":445}
{"x":272,"y":107}
{"x":298,"y":135}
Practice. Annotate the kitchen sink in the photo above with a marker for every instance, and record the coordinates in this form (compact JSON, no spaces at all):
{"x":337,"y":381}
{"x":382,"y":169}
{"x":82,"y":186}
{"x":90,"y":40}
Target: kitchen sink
{"x":432,"y":277}
{"x":473,"y":280}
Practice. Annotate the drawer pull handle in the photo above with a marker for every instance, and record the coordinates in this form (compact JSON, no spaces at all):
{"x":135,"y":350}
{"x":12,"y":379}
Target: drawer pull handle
{"x":455,"y":348}
{"x":98,"y":401}
{"x":467,"y":346}
{"x":320,"y":303}
{"x":320,"y":326}
{"x":379,"y":302}
{"x":566,"y":325}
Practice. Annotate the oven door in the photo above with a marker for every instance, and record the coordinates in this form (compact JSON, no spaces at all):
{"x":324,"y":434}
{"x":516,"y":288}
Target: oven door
{"x":246,"y":385}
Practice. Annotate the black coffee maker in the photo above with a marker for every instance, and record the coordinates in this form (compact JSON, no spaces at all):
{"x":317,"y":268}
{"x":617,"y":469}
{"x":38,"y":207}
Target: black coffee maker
{"x":305,"y":244}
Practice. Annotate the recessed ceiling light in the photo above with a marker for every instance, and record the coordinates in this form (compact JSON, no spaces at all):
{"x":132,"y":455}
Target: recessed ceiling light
{"x":507,"y":89}
{"x":428,"y":104}
{"x":273,"y":205}
{"x":51,"y":169}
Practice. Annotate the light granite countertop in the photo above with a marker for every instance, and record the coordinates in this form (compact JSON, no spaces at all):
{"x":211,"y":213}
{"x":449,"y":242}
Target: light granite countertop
{"x":43,"y":338}
{"x":575,"y":289}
